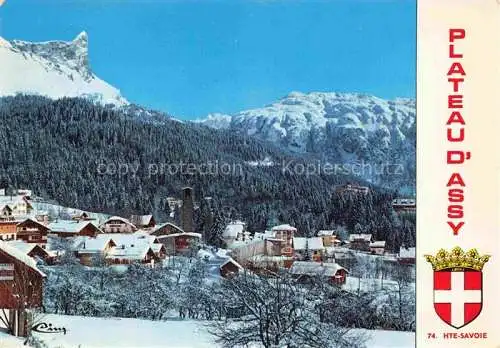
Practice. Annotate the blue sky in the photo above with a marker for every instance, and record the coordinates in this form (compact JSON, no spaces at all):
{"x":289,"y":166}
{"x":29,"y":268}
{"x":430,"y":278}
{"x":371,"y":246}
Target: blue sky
{"x":191,"y":58}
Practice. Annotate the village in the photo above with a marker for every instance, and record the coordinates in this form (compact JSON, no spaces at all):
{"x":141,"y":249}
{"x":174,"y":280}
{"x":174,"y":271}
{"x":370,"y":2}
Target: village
{"x":30,"y":237}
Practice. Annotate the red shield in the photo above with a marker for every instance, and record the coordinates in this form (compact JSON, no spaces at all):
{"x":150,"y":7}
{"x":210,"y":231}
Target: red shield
{"x":458,"y":295}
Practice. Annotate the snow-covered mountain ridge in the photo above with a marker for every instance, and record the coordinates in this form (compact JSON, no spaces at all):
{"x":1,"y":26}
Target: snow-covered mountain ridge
{"x":342,"y":128}
{"x":54,"y":69}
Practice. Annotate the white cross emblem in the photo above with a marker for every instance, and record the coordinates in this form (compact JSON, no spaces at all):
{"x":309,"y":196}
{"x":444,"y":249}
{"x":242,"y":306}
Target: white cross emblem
{"x":458,"y":297}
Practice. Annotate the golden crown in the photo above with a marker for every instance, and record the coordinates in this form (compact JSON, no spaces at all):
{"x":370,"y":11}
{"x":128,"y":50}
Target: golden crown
{"x":457,"y":258}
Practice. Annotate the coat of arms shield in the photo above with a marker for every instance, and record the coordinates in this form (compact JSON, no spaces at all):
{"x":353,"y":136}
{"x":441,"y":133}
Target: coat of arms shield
{"x":458,"y":285}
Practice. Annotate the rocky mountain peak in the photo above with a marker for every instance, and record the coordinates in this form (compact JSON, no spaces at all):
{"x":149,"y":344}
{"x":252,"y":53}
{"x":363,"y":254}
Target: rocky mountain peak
{"x":53,"y":68}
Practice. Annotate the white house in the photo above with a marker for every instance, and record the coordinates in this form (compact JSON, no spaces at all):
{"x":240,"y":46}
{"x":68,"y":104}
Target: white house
{"x":378,"y":247}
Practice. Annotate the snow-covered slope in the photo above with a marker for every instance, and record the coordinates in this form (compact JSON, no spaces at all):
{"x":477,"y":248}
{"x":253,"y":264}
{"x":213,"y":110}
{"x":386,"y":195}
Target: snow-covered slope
{"x":343,"y":128}
{"x":91,"y":332}
{"x":54,"y":69}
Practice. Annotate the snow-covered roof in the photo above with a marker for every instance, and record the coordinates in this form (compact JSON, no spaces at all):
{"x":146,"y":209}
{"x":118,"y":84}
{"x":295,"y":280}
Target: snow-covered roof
{"x":188,"y":234}
{"x":263,"y":235}
{"x":29,"y":219}
{"x":19,"y":255}
{"x":137,"y":252}
{"x":12,"y":200}
{"x":21,"y":245}
{"x":156,"y":247}
{"x":68,"y":226}
{"x":326,"y":233}
{"x":407,"y":252}
{"x":355,"y":236}
{"x":118,"y":218}
{"x":5,"y":207}
{"x":268,"y":258}
{"x":285,"y":227}
{"x":404,"y":201}
{"x":233,"y":229}
{"x":141,"y":220}
{"x":231,"y":260}
{"x":315,"y":268}
{"x":315,"y":243}
{"x":159,"y":227}
{"x":86,"y":244}
{"x":378,"y":244}
{"x":128,"y":239}
{"x":299,"y":243}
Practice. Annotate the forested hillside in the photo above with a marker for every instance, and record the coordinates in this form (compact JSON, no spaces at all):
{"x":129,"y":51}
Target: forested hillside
{"x":66,"y":150}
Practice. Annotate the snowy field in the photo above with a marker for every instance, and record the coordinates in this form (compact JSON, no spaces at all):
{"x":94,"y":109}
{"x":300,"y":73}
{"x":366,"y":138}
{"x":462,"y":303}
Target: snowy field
{"x":353,"y":284}
{"x":85,"y":332}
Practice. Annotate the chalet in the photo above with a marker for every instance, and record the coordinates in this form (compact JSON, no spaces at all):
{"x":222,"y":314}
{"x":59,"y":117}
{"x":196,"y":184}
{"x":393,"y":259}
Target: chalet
{"x":139,"y":237}
{"x":360,"y":241}
{"x":32,"y":250}
{"x":123,"y":254}
{"x":89,"y":250}
{"x":72,"y":228}
{"x":404,"y":205}
{"x":406,"y":256}
{"x":180,"y":243}
{"x":119,"y":248}
{"x":352,"y":189}
{"x":6,"y":213}
{"x":159,"y":250}
{"x":118,"y":224}
{"x":135,"y":243}
{"x":264,"y":264}
{"x":286,"y":234}
{"x":166,"y":229}
{"x":312,"y":248}
{"x":230,"y":268}
{"x":21,"y":286}
{"x":8,"y":230}
{"x":83,"y":216}
{"x":32,"y":231}
{"x":19,"y":204}
{"x":377,"y":247}
{"x":143,"y":221}
{"x":305,"y":271}
{"x":329,"y":238}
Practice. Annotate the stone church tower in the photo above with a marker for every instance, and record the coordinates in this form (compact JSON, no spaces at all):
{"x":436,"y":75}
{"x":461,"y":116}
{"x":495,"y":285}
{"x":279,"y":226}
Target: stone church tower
{"x":187,"y":223}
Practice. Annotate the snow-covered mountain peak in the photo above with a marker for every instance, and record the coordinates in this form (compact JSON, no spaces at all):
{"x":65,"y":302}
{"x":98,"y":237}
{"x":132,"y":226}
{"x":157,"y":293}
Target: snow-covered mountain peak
{"x":4,"y":43}
{"x":54,"y":69}
{"x":216,"y":120}
{"x":82,"y":37}
{"x":341,"y":127}
{"x":60,"y":54}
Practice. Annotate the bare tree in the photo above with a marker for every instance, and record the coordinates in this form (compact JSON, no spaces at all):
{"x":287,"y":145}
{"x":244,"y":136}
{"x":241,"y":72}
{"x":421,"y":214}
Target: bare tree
{"x":405,"y":297}
{"x":275,"y":312}
{"x":34,"y":318}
